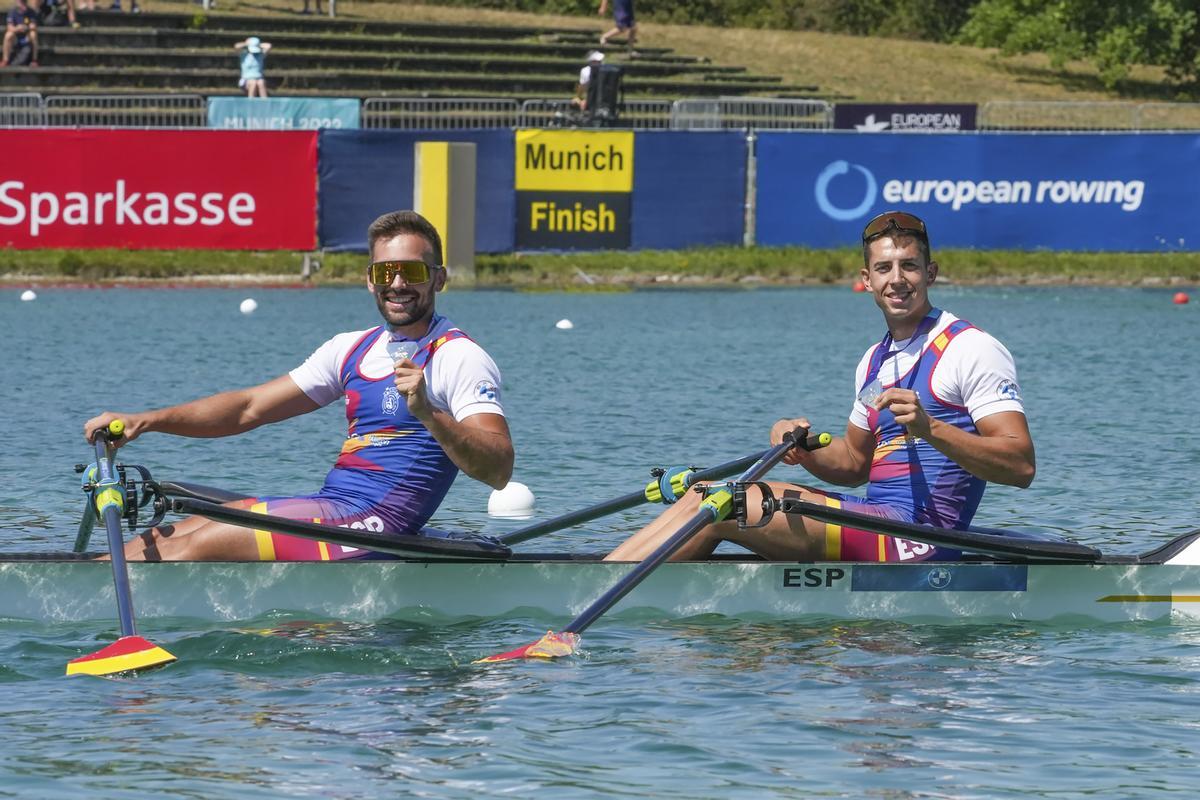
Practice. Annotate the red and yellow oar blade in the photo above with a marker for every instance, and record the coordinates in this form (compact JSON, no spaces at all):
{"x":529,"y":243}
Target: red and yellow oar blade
{"x":127,"y":654}
{"x":552,"y":645}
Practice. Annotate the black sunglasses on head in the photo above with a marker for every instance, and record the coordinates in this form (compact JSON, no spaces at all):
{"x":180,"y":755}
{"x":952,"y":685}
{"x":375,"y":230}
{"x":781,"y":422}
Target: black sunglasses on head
{"x":898,"y":221}
{"x":382,"y":273}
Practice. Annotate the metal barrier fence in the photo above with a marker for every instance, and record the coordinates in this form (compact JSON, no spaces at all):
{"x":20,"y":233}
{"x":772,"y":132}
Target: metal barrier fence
{"x":635,"y":114}
{"x":1168,"y":117}
{"x":1010,"y":115}
{"x":29,"y":109}
{"x":126,"y":111}
{"x":756,"y":113}
{"x":1018,"y":115}
{"x":21,"y":110}
{"x":407,"y":113}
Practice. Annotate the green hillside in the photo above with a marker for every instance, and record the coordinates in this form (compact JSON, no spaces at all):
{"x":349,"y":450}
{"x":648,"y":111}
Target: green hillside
{"x":865,"y":68}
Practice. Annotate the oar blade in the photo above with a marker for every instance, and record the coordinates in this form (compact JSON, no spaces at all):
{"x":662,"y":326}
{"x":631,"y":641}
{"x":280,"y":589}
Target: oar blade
{"x":552,"y":645}
{"x":127,"y":654}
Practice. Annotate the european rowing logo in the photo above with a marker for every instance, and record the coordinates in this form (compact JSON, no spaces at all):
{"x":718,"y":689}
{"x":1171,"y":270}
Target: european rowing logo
{"x":939,"y":577}
{"x":821,"y":190}
{"x":391,"y":400}
{"x":1009,"y":390}
{"x":486,"y":390}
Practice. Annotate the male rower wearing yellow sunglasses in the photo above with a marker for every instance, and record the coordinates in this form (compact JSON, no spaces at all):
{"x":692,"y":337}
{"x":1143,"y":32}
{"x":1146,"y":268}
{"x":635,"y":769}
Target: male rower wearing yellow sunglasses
{"x":422,"y":403}
{"x":938,"y":414}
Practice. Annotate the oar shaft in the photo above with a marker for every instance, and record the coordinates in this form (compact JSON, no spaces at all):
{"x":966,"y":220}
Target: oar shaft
{"x":635,"y":576}
{"x":574,"y":518}
{"x":622,"y":503}
{"x":701,"y":519}
{"x":107,"y":483}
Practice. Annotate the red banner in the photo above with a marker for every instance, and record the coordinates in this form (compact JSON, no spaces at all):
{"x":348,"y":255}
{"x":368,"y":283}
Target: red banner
{"x":166,"y":190}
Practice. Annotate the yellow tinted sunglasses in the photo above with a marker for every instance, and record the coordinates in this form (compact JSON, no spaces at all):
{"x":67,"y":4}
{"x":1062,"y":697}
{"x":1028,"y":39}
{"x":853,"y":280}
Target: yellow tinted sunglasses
{"x":382,"y":273}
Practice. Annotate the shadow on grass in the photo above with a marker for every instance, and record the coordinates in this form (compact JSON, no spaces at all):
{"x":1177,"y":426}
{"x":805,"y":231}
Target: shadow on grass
{"x":1129,"y":88}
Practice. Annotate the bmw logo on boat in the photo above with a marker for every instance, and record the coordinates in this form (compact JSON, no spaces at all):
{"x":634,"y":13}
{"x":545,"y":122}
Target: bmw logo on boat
{"x":939,"y":577}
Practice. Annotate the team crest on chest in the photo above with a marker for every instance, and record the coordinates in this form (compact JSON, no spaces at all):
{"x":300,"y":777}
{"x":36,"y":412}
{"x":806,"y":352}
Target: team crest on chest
{"x":391,"y":400}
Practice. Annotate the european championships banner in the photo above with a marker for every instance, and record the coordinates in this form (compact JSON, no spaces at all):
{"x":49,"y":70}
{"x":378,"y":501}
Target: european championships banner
{"x":1123,"y":192}
{"x":159,"y":189}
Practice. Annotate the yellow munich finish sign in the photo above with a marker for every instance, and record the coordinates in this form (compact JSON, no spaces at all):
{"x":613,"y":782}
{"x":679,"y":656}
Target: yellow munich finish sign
{"x":574,"y":189}
{"x":574,"y":161}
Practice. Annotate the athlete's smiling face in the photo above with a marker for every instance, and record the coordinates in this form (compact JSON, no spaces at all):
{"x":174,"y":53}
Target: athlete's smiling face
{"x":899,"y":275}
{"x":407,"y":308}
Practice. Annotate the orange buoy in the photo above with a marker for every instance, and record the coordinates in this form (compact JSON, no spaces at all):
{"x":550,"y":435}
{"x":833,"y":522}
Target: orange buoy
{"x":1181,"y":298}
{"x":859,"y":286}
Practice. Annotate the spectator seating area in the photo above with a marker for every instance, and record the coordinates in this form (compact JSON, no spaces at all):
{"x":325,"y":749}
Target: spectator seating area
{"x":115,"y":53}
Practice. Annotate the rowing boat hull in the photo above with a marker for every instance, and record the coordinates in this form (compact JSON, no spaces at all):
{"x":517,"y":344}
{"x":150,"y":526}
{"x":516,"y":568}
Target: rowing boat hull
{"x":82,"y":590}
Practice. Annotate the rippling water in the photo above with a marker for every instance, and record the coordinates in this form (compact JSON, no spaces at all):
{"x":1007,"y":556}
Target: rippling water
{"x":703,"y":707}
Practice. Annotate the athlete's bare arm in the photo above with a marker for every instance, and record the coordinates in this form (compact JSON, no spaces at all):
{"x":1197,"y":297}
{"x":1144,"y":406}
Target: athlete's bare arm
{"x":223,"y":414}
{"x":846,"y":461}
{"x":1001,"y":452}
{"x":479,"y":445}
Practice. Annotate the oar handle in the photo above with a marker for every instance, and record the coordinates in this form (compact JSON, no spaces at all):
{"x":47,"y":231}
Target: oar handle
{"x":809,"y":441}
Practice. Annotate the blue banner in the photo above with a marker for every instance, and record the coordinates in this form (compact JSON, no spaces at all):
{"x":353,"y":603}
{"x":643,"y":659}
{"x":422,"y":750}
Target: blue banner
{"x":689,"y":189}
{"x":367,"y":173}
{"x":281,"y":113}
{"x":1122,"y":192}
{"x":938,"y":578}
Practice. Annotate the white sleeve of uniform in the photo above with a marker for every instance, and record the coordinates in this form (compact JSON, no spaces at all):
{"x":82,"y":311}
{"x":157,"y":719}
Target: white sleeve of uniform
{"x":464,"y":380}
{"x":978,"y":373}
{"x":858,"y":412}
{"x":319,"y":376}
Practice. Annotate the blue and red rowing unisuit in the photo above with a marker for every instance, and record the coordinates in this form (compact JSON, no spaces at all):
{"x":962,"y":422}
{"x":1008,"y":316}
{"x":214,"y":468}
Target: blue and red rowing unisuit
{"x":910,"y":480}
{"x":391,"y":474}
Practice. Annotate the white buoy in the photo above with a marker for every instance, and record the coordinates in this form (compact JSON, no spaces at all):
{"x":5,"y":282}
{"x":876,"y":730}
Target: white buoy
{"x":249,"y":305}
{"x":28,"y":295}
{"x":514,"y":500}
{"x":564,"y":324}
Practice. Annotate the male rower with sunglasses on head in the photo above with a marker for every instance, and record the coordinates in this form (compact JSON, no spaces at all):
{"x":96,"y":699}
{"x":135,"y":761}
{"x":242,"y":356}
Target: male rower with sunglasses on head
{"x":938,"y":414}
{"x":422,"y":402}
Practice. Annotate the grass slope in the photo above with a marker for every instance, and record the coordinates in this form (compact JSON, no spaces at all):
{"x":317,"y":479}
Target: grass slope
{"x":865,"y":68}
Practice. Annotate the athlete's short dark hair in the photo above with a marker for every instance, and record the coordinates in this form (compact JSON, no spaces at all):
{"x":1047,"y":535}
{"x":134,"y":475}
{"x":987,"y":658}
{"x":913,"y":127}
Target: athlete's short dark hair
{"x":396,"y":223}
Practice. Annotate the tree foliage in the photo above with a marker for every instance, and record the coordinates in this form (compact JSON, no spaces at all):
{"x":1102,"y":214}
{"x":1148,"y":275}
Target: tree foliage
{"x":1112,"y":35}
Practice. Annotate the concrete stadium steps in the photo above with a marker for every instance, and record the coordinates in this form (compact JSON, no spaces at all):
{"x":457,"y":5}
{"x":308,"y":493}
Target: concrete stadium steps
{"x":533,"y":40}
{"x":143,"y":37}
{"x":67,"y":52}
{"x":274,"y":23}
{"x":348,"y":82}
{"x":315,"y":56}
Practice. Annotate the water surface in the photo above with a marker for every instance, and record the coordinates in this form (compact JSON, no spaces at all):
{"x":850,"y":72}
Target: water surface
{"x":703,"y":707}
